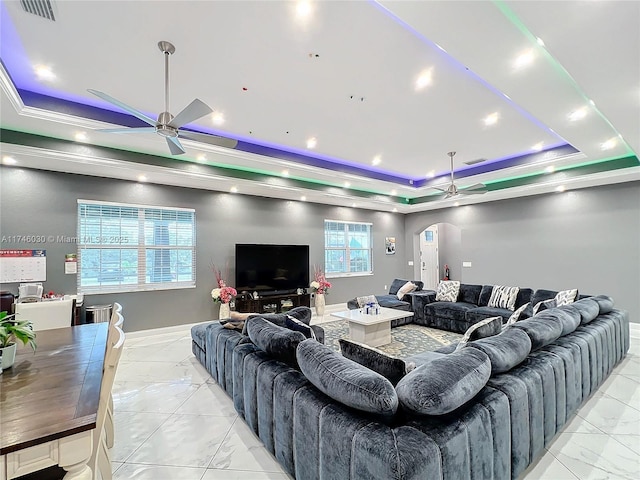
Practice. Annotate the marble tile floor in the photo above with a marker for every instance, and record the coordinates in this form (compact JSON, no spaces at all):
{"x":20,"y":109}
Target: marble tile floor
{"x":173,"y":421}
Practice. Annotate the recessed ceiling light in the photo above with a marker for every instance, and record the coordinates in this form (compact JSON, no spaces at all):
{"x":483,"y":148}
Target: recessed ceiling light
{"x":303,"y":198}
{"x":312,"y":142}
{"x":142,"y":178}
{"x":560,"y":188}
{"x":592,"y":103}
{"x":347,"y":184}
{"x":540,"y":41}
{"x":303,"y":8}
{"x":491,"y":119}
{"x":456,"y":204}
{"x":233,"y":189}
{"x":578,"y":114}
{"x":550,"y":169}
{"x":537,"y":147}
{"x":394,"y":192}
{"x":394,"y":210}
{"x":609,"y":144}
{"x":524,"y":59}
{"x":376,"y":160}
{"x":201,"y":158}
{"x":218,"y":118}
{"x":353,"y":205}
{"x":81,"y":137}
{"x":9,"y":160}
{"x":431,"y":174}
{"x":285,"y":173}
{"x":44,"y":73}
{"x":424,"y":79}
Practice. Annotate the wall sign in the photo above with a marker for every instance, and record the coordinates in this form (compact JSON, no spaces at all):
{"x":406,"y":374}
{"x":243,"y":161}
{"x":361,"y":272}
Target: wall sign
{"x":23,"y":266}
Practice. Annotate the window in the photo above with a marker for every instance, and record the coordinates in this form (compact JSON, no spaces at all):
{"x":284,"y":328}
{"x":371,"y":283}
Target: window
{"x":126,"y":248}
{"x":347,"y":248}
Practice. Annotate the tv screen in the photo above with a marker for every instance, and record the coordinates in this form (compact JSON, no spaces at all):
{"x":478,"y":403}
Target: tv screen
{"x":271,"y":268}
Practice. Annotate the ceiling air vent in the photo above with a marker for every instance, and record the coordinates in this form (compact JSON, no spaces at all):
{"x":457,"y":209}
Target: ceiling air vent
{"x":478,"y":160}
{"x":41,"y":8}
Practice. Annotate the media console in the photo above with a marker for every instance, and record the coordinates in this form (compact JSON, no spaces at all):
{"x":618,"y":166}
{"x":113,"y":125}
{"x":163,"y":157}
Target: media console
{"x":273,"y":303}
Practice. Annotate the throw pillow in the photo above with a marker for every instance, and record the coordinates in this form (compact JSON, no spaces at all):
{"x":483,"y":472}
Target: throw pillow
{"x":565,"y":297}
{"x":492,"y":325}
{"x":362,"y":301}
{"x":279,"y":342}
{"x":446,"y":383}
{"x":506,"y":350}
{"x":345,"y":380}
{"x":503,"y":297}
{"x":391,"y":368}
{"x":515,"y":316}
{"x":293,"y":323}
{"x":448,"y":291}
{"x":544,"y":305}
{"x":406,"y":288}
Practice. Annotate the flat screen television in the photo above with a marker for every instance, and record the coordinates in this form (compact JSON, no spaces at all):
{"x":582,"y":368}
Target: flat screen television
{"x":271,"y":269}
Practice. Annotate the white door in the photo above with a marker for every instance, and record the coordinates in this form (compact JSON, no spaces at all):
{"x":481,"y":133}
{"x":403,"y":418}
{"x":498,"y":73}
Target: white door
{"x":429,"y":266}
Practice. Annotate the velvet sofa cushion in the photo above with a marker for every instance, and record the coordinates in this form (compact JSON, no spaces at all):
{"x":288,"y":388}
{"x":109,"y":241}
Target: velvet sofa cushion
{"x":398,"y":282}
{"x":279,"y":342}
{"x":541,"y":331}
{"x":391,"y":301}
{"x":568,"y":318}
{"x":300,"y":313}
{"x":505,"y":350}
{"x":589,"y":309}
{"x":605,"y":302}
{"x":346,"y":381}
{"x":425,"y":357}
{"x":469,"y":293}
{"x":448,"y":310}
{"x":445,"y":383}
{"x":296,"y":325}
{"x":391,"y":368}
{"x":484,"y":328}
{"x":475,"y":315}
{"x":485,"y":295}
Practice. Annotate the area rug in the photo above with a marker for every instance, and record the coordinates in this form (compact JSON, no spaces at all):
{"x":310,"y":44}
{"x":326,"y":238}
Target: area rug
{"x":407,"y":340}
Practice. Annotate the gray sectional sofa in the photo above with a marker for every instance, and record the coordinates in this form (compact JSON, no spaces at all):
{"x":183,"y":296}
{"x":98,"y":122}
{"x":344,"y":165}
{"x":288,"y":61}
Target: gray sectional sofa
{"x":391,"y":300}
{"x":482,"y":411}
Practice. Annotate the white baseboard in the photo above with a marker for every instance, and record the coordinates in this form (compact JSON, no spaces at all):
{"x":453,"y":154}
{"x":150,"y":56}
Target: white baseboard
{"x":162,"y":330}
{"x":634,"y":329}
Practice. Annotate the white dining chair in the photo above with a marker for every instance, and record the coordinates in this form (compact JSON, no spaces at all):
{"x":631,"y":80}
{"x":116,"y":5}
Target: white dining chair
{"x":100,"y":458}
{"x":46,"y":315}
{"x":117,"y":319}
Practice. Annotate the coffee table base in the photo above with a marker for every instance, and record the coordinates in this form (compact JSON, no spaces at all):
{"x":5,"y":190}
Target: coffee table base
{"x":372,"y":335}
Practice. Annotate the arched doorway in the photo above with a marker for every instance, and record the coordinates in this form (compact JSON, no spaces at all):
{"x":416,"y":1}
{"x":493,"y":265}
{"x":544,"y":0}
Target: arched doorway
{"x":440,"y":244}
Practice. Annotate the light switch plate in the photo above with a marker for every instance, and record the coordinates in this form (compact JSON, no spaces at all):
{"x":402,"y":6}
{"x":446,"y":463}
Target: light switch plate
{"x":466,"y":264}
{"x":411,"y":263}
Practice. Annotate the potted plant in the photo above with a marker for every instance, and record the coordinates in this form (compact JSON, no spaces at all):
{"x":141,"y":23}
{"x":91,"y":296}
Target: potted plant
{"x":12,"y":330}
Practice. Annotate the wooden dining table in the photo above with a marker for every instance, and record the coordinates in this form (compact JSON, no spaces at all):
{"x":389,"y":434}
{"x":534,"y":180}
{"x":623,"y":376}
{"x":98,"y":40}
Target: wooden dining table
{"x":49,"y":402}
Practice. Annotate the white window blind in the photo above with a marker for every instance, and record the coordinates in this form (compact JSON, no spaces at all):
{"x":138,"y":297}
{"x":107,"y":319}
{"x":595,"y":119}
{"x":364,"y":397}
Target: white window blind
{"x":126,"y":248}
{"x":347,"y":248}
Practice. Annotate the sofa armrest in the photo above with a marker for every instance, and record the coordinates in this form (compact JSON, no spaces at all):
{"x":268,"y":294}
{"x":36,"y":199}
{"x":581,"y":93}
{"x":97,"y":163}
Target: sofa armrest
{"x":418,"y":301}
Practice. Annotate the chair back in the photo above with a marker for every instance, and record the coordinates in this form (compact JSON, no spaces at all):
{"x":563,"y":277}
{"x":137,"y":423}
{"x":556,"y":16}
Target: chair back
{"x":30,"y":292}
{"x":47,"y":314}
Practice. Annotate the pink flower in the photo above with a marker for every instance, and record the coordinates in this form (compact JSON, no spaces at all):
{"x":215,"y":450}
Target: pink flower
{"x":223,"y":293}
{"x":319,"y":284}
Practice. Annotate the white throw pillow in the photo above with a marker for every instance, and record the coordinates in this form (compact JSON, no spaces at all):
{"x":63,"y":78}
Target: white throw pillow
{"x":448,"y":291}
{"x":406,"y":288}
{"x":565,"y":297}
{"x":545,"y":305}
{"x":467,"y":335}
{"x":503,"y":297}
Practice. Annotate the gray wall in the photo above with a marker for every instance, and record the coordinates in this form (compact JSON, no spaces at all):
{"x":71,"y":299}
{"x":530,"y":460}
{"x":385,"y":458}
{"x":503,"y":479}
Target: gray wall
{"x":450,"y":250}
{"x":37,"y":202}
{"x":587,"y":239}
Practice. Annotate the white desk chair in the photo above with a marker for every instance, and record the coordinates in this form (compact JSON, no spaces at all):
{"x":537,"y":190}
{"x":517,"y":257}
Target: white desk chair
{"x":100,"y":458}
{"x":47,"y":314}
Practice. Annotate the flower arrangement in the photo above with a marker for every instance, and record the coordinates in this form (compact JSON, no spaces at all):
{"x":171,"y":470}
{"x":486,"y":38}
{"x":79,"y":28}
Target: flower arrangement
{"x":222,"y":293}
{"x":319,"y":284}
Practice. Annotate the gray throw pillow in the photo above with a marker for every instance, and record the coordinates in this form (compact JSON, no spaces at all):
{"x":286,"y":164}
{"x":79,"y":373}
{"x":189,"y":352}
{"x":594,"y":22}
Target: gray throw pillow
{"x":484,"y":328}
{"x":589,"y":309}
{"x":301,"y":313}
{"x":506,"y":350}
{"x":279,"y":342}
{"x":391,"y":368}
{"x":605,"y":302}
{"x":444,"y":384}
{"x":346,"y":381}
{"x":515,"y":316}
{"x":293,"y":323}
{"x":542,"y":331}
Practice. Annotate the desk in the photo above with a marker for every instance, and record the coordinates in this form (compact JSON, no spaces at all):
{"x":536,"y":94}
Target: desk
{"x":49,"y":402}
{"x":372,"y":330}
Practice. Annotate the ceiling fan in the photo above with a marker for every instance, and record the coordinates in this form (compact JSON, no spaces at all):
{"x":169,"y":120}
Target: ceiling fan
{"x":452,"y":190}
{"x":167,"y":125}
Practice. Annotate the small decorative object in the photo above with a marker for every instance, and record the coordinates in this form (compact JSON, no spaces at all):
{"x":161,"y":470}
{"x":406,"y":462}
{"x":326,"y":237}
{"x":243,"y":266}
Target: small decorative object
{"x":12,"y":330}
{"x":390,"y":245}
{"x":222,"y":294}
{"x":372,"y":308}
{"x":320,"y":287}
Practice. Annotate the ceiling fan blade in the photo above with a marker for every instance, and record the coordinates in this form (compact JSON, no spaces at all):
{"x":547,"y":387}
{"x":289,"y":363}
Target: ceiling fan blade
{"x":478,"y":188}
{"x":175,"y":146}
{"x":210,"y":139}
{"x":442,"y":189}
{"x":124,"y":106}
{"x":128,"y":130}
{"x":191,"y":112}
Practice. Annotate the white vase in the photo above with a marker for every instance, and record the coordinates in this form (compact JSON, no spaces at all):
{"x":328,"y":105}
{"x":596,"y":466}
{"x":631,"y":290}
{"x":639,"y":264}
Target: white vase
{"x":8,"y":356}
{"x":225,"y":311}
{"x":319,"y":304}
